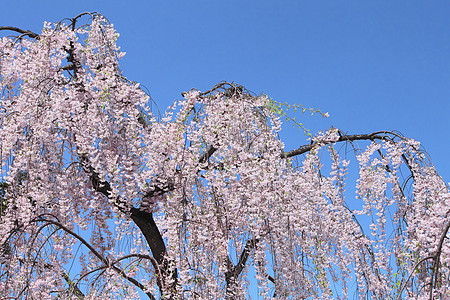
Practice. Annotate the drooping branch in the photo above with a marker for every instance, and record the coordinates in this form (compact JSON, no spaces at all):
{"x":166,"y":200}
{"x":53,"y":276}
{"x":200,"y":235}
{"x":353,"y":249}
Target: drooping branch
{"x":229,"y":89}
{"x":399,"y":296}
{"x":102,"y":267}
{"x":34,"y":35}
{"x":75,"y":235}
{"x":21,"y":31}
{"x":379,"y":135}
{"x":103,"y":259}
{"x":434,"y":269}
{"x":135,"y":255}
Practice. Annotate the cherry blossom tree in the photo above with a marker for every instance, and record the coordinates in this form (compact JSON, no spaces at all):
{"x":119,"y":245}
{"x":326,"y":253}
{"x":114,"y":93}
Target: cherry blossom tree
{"x":102,"y":198}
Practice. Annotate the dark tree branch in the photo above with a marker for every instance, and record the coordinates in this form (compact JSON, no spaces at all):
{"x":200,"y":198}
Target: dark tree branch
{"x":75,"y":235}
{"x":436,"y":258}
{"x":70,"y":66}
{"x":235,"y":271}
{"x":381,"y":135}
{"x":143,"y":220}
{"x":228,"y":88}
{"x":249,"y":246}
{"x":206,"y":155}
{"x":159,"y":189}
{"x":102,"y":186}
{"x":21,"y":31}
{"x":99,"y":185}
{"x":138,"y":256}
{"x":147,"y":225}
{"x":399,"y":296}
{"x":98,"y":255}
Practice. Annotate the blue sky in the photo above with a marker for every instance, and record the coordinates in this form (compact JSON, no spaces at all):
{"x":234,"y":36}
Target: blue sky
{"x":373,"y":65}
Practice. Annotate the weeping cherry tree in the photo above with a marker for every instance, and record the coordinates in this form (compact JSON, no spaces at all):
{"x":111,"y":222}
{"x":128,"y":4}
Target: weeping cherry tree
{"x":103,"y":198}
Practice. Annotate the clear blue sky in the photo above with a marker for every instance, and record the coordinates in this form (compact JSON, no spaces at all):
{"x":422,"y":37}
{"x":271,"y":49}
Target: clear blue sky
{"x":373,"y":65}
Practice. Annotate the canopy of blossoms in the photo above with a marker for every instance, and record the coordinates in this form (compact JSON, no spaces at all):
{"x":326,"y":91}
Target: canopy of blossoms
{"x":199,"y":203}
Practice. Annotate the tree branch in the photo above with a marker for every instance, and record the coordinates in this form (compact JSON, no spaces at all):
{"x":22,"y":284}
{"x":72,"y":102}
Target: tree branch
{"x":21,"y":31}
{"x":399,"y":296}
{"x":206,"y":155}
{"x":380,"y":135}
{"x":147,"y":225}
{"x":72,"y":286}
{"x":143,"y":220}
{"x":233,"y":274}
{"x":98,"y":255}
{"x":237,"y":270}
{"x":435,"y":269}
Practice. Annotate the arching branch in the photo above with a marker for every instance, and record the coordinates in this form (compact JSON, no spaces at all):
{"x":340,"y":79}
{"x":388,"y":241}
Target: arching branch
{"x":399,"y":296}
{"x":228,"y":88}
{"x":379,"y":135}
{"x":103,"y":259}
{"x":21,"y":31}
{"x":136,"y":255}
